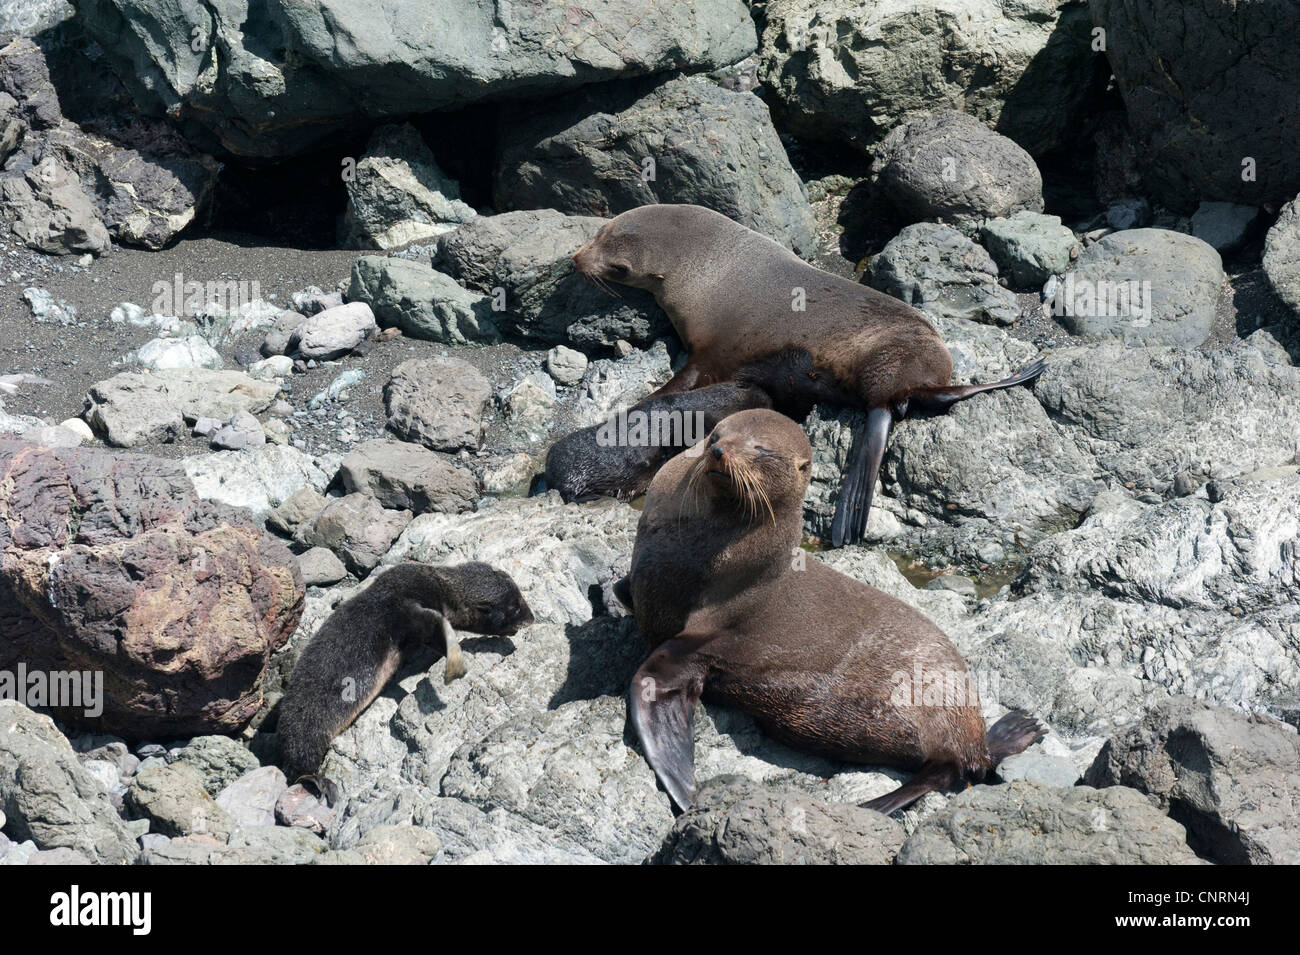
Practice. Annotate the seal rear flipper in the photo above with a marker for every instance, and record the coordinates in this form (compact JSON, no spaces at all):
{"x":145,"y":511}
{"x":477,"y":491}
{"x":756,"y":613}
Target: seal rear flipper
{"x":929,"y":778}
{"x":850,"y":522}
{"x":939,"y":400}
{"x":1013,"y":733}
{"x":623,"y":591}
{"x":664,"y":693}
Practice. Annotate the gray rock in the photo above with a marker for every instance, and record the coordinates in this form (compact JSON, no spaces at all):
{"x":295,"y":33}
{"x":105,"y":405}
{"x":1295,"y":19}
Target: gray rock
{"x":935,"y":268}
{"x":414,"y":60}
{"x":241,"y":431}
{"x":1029,"y":247}
{"x":1025,"y":824}
{"x":421,"y":301}
{"x":312,"y":300}
{"x":219,"y":761}
{"x":752,"y":825}
{"x":250,"y":800}
{"x":1223,"y":226}
{"x":1231,"y":778}
{"x":298,"y":508}
{"x":854,"y":73}
{"x":523,"y":261}
{"x":50,"y":211}
{"x":333,"y":332}
{"x":258,"y":479}
{"x":1038,"y":767}
{"x":398,"y":845}
{"x":1282,"y":255}
{"x":528,"y":407}
{"x":251,"y":845}
{"x":438,"y":402}
{"x":30,"y":17}
{"x":173,"y":800}
{"x":298,"y":807}
{"x":408,"y":477}
{"x":1145,"y":286}
{"x":565,"y":365}
{"x":356,"y":528}
{"x":704,"y":145}
{"x":397,"y":194}
{"x":132,"y":408}
{"x":1195,"y":132}
{"x":952,"y":167}
{"x":48,"y":310}
{"x":47,"y":797}
{"x":320,"y":567}
{"x":162,"y":354}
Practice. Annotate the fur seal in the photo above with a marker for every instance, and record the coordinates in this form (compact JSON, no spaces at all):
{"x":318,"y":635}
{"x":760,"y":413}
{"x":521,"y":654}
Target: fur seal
{"x":735,"y":613}
{"x":599,"y":461}
{"x":752,"y":311}
{"x":365,"y":641}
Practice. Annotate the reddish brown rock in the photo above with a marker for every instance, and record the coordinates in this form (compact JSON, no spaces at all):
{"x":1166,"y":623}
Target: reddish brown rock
{"x":108,"y":562}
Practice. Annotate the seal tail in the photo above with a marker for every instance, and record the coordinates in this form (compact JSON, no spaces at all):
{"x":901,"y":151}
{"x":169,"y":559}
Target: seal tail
{"x":1013,"y":733}
{"x":850,"y":522}
{"x":939,"y":400}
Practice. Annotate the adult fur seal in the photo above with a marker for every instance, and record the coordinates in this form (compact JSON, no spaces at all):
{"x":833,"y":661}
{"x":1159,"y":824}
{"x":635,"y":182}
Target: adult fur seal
{"x":735,"y":613}
{"x":619,"y":457}
{"x":750,"y":310}
{"x":368,"y":638}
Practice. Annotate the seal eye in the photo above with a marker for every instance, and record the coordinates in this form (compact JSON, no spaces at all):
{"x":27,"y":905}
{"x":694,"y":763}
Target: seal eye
{"x":763,"y":451}
{"x":618,"y":270}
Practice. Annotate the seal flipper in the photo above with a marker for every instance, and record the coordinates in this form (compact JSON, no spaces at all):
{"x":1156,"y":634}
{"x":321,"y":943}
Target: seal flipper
{"x":663,"y":697}
{"x":1013,"y":733}
{"x":623,"y":591}
{"x":929,"y":778}
{"x":939,"y":400}
{"x":850,"y":522}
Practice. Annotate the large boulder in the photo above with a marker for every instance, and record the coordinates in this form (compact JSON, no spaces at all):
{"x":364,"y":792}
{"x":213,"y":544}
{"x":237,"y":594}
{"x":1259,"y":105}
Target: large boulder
{"x":1282,"y":255}
{"x":1211,"y":90}
{"x":133,"y":408}
{"x":1232,"y":779}
{"x":438,"y":402}
{"x":523,"y":260}
{"x":406,"y":476}
{"x":421,"y":301}
{"x":110,"y":564}
{"x":268,"y":81}
{"x":852,"y":72}
{"x":605,"y":150}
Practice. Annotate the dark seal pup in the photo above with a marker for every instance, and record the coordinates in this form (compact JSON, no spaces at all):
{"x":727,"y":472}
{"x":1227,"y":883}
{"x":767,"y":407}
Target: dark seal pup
{"x":752,"y":311}
{"x":736,"y":613}
{"x":604,"y":461}
{"x":366,"y":640}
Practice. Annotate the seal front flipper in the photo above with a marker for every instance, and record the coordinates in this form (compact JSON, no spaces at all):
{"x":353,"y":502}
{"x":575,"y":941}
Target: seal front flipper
{"x":662,"y":703}
{"x":850,"y":522}
{"x":455,"y":667}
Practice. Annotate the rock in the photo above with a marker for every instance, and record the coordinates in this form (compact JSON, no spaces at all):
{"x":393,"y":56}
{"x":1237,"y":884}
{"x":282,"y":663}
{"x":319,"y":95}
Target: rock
{"x":398,"y":845}
{"x":1038,"y":767}
{"x":258,"y":479}
{"x":1282,"y":255}
{"x":356,"y":528}
{"x":298,"y":508}
{"x":523,"y":261}
{"x":685,"y":140}
{"x":46,"y":309}
{"x":529,"y":407}
{"x":320,"y":567}
{"x":250,"y":845}
{"x":219,"y":761}
{"x":284,"y":327}
{"x":853,"y":74}
{"x":1150,"y":286}
{"x":412,"y":62}
{"x":162,"y":354}
{"x":240,"y":432}
{"x":173,"y":800}
{"x":78,"y":427}
{"x":1209,"y":93}
{"x":269,"y":369}
{"x":1231,"y":778}
{"x":438,"y":402}
{"x":47,"y":797}
{"x":408,"y":477}
{"x":333,"y":332}
{"x":312,"y":300}
{"x":610,"y":384}
{"x":165,"y":570}
{"x":298,"y":807}
{"x":950,"y":166}
{"x":1029,"y":247}
{"x":565,"y":365}
{"x":50,"y":211}
{"x":250,"y":800}
{"x":397,"y":195}
{"x":1223,"y":226}
{"x":421,"y":301}
{"x":748,"y":825}
{"x":132,"y":408}
{"x":938,"y":270}
{"x":30,"y":17}
{"x":337,"y":390}
{"x":1023,"y":823}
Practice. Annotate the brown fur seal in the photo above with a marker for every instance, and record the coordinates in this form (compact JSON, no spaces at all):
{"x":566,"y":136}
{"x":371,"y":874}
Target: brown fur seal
{"x":735,"y":613}
{"x":368,"y":638}
{"x":603,"y":461}
{"x":752,"y":311}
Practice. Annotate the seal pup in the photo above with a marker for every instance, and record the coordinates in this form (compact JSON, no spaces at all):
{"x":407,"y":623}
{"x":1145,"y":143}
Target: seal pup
{"x":368,"y":637}
{"x":599,"y":461}
{"x":734,"y":612}
{"x":750,"y":310}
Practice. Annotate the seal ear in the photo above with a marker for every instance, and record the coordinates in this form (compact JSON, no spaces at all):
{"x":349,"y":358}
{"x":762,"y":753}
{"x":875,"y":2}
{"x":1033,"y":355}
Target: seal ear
{"x":663,"y":697}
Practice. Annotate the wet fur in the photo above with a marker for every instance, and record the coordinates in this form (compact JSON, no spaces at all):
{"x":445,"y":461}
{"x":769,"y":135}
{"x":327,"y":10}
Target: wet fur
{"x":366,"y":640}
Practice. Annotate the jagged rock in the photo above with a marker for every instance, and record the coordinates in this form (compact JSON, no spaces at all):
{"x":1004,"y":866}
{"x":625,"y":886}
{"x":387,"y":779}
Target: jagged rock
{"x":122,"y":559}
{"x":357,"y":528}
{"x":50,"y":211}
{"x":421,"y":301}
{"x":1232,"y":779}
{"x":174,"y":801}
{"x":258,"y":479}
{"x":219,"y":761}
{"x":132,"y":408}
{"x":250,"y":800}
{"x":1029,"y":247}
{"x":708,"y":146}
{"x":407,"y":477}
{"x":298,"y":508}
{"x":438,"y":402}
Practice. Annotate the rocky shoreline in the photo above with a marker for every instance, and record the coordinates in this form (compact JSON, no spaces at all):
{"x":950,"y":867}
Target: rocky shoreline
{"x":214,"y":430}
